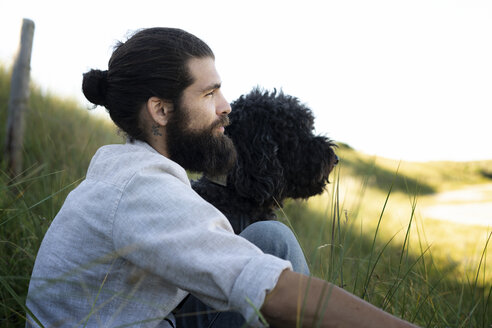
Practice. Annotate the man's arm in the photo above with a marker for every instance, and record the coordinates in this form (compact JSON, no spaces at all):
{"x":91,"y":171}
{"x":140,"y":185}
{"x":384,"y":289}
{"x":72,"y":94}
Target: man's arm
{"x":320,"y":300}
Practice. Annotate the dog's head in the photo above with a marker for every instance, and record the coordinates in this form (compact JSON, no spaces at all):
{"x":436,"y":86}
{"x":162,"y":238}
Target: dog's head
{"x":279,"y":156}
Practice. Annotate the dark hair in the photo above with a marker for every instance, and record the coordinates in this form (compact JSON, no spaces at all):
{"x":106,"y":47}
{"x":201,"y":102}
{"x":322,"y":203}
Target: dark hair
{"x":152,"y":62}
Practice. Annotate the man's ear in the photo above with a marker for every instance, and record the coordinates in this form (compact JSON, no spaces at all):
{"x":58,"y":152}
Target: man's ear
{"x":159,"y":110}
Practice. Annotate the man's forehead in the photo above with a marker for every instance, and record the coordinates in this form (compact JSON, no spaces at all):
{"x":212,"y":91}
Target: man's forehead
{"x":204,"y":73}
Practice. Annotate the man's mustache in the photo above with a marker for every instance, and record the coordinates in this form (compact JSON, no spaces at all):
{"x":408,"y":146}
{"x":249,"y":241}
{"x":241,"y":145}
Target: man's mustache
{"x":221,"y":121}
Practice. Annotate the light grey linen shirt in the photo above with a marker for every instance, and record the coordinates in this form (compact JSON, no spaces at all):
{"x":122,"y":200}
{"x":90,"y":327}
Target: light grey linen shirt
{"x":133,"y":239}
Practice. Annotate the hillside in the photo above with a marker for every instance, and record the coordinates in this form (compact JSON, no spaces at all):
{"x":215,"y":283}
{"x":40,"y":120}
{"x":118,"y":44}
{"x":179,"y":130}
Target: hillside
{"x":60,"y":139}
{"x":365,"y":233}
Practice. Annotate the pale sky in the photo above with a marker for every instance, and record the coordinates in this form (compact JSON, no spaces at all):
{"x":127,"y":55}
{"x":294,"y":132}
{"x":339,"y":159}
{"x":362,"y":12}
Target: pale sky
{"x":409,"y":80}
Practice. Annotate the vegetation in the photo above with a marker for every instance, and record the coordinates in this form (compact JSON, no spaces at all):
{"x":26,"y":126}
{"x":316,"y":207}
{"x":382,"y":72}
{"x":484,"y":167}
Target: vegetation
{"x":60,"y":139}
{"x":375,"y":244}
{"x":365,"y":233}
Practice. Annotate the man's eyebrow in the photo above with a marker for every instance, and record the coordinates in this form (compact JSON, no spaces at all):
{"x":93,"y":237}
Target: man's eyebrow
{"x":212,"y":86}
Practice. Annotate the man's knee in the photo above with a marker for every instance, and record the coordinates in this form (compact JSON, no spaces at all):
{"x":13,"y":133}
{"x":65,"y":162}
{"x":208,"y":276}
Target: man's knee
{"x":263,"y":232}
{"x":275,"y":238}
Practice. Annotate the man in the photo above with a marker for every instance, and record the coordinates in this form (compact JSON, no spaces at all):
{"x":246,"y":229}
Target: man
{"x":133,"y":240}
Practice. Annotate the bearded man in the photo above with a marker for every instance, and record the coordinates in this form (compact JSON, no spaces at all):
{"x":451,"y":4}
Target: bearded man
{"x":133,"y":240}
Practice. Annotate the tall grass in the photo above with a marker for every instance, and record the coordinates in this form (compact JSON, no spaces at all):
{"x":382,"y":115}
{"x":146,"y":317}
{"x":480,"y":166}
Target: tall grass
{"x":60,"y":139}
{"x":395,"y":271}
{"x":354,"y":241}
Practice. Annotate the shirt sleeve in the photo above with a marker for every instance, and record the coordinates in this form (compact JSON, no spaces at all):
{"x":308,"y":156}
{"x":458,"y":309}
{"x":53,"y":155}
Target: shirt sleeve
{"x":164,"y":227}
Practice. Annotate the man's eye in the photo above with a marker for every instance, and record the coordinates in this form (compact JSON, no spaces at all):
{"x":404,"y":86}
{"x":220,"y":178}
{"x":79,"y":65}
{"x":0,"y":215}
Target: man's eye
{"x":211,"y":93}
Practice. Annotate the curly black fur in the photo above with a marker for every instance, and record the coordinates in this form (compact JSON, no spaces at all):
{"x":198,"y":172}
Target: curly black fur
{"x":279,"y":157}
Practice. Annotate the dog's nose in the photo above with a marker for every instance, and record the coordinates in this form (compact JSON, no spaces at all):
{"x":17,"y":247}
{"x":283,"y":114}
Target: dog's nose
{"x":335,"y":162}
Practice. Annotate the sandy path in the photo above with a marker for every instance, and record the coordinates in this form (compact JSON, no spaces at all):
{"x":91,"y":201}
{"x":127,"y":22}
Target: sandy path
{"x":471,"y":205}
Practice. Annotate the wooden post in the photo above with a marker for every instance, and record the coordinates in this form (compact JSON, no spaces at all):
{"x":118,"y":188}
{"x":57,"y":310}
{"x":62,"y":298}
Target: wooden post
{"x":19,"y":99}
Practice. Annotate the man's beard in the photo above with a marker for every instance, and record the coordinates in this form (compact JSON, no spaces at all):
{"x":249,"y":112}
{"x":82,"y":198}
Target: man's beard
{"x":200,"y":150}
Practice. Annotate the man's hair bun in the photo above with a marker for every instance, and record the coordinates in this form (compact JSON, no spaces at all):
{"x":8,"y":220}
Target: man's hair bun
{"x":94,"y":86}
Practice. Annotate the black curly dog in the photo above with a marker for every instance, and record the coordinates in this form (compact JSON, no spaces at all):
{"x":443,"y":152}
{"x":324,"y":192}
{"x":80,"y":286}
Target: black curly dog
{"x":278,"y":157}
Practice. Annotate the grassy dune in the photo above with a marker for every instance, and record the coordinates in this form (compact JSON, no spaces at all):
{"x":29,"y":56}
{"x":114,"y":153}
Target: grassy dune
{"x":365,"y":233}
{"x":60,"y":139}
{"x":368,"y":235}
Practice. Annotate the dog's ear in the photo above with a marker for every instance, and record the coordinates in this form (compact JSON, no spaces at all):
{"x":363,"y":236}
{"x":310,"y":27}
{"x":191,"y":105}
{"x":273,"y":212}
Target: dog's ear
{"x":258,"y":173}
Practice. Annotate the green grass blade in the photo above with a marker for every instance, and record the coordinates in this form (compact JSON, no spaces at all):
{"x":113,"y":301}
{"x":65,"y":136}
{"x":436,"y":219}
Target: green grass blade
{"x":19,"y":300}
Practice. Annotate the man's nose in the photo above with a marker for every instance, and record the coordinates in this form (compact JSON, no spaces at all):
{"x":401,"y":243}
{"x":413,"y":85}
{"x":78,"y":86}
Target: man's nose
{"x":223,"y":106}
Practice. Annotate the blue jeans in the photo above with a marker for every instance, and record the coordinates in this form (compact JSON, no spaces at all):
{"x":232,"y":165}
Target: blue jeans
{"x":272,"y":237}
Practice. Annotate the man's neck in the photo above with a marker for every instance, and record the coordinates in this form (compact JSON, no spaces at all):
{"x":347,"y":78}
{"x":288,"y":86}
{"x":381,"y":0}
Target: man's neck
{"x":158,"y":142}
